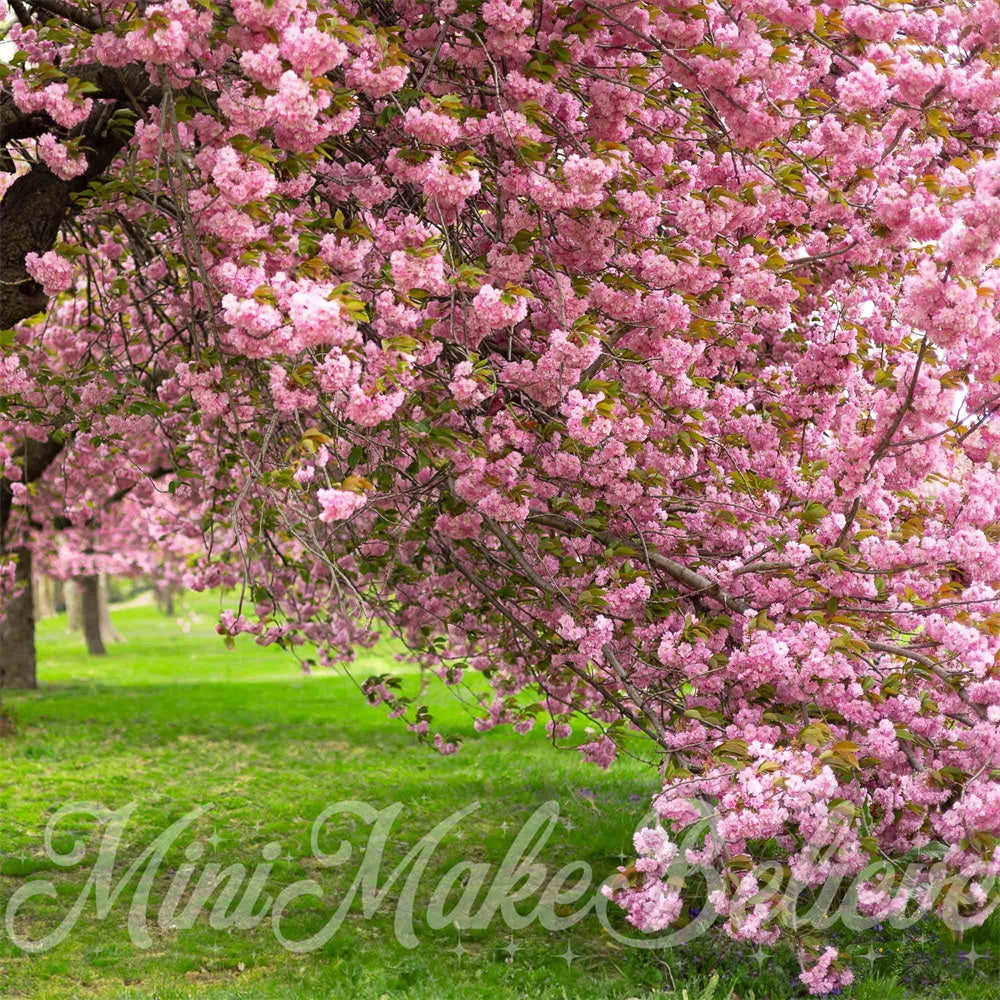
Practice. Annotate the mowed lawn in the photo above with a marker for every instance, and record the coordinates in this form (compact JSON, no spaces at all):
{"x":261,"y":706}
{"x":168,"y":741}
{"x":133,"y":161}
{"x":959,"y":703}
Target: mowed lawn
{"x":171,"y":720}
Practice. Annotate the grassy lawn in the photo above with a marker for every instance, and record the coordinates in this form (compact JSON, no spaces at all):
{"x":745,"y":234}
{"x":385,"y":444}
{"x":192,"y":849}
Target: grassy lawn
{"x":170,"y":720}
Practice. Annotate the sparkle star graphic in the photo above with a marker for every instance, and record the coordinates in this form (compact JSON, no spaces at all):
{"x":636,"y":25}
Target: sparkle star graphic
{"x":568,"y":955}
{"x":459,"y":951}
{"x":871,"y":955}
{"x":512,"y":949}
{"x":215,"y":839}
{"x":972,"y":956}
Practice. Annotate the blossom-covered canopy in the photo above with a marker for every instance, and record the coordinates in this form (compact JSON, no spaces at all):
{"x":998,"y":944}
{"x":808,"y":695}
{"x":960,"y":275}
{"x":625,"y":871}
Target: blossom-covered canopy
{"x":640,"y":359}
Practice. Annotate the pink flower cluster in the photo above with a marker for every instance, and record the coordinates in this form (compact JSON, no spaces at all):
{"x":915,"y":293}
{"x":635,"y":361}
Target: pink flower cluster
{"x":53,"y":272}
{"x":339,"y":505}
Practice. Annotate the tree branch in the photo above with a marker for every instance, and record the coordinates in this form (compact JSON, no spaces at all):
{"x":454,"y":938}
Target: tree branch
{"x":926,"y":661}
{"x":701,"y":585}
{"x":68,"y":12}
{"x":36,"y":457}
{"x":37,"y":204}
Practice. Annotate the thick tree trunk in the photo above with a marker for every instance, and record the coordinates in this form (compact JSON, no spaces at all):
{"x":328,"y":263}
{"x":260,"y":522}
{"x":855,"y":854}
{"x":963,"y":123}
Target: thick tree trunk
{"x":90,"y":613}
{"x":17,"y":631}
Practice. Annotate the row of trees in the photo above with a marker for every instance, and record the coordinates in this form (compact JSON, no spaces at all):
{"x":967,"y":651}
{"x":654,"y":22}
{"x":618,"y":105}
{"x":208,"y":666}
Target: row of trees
{"x":640,"y":359}
{"x":75,"y":543}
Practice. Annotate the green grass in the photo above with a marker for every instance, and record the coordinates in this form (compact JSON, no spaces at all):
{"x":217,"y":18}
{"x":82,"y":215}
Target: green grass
{"x":172,"y":720}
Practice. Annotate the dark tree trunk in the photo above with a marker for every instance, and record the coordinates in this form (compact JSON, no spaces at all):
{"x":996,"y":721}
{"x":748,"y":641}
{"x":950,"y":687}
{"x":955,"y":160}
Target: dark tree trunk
{"x":90,"y":609}
{"x":17,"y":631}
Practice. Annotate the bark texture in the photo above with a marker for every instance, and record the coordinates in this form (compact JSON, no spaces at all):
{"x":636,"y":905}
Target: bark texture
{"x":17,"y":630}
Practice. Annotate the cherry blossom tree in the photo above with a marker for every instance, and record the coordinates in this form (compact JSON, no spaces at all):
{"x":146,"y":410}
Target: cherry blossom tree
{"x":92,"y":512}
{"x":627,"y":360}
{"x":134,"y":530}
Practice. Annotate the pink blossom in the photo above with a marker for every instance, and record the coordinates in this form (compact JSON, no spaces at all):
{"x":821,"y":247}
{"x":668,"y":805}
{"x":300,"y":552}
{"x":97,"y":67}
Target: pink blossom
{"x":52,"y":272}
{"x":59,"y":159}
{"x":338,"y":505}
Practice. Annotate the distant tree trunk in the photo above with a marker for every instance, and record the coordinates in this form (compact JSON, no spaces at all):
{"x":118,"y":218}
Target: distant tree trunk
{"x":77,"y":611}
{"x":90,"y":612}
{"x":45,"y":596}
{"x":17,"y":631}
{"x":74,"y":611}
{"x":164,"y":594}
{"x":108,"y":631}
{"x":59,"y":595}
